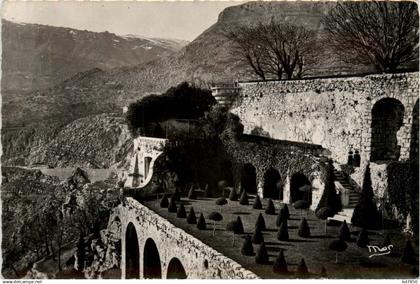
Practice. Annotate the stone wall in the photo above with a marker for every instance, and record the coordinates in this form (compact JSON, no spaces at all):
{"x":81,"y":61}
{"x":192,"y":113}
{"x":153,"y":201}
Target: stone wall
{"x":199,"y":260}
{"x":335,"y":112}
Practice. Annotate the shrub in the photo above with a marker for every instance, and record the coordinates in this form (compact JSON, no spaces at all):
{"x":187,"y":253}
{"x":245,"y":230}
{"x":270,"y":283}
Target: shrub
{"x":337,"y":246}
{"x":215,"y":217}
{"x":365,"y":213}
{"x":240,"y":225}
{"x":262,"y":255}
{"x":408,"y":256}
{"x":344,"y":233}
{"x":302,"y":205}
{"x":323,"y":272}
{"x":270,"y":210}
{"x":323,"y":213}
{"x":282,"y":216}
{"x":260,"y":222}
{"x":244,"y":198}
{"x":172,"y":205}
{"x":181,"y":213}
{"x":286,"y":210}
{"x":191,"y":218}
{"x":257,"y":237}
{"x":330,"y":198}
{"x":233,"y":196}
{"x":164,"y":202}
{"x":176,"y":195}
{"x":362,"y":239}
{"x":302,"y":270}
{"x":387,"y":241}
{"x":283,"y":233}
{"x":201,"y":224}
{"x":304,"y":230}
{"x":192,"y":194}
{"x":235,"y":228}
{"x":247,"y":247}
{"x":280,"y":265}
{"x":257,"y":203}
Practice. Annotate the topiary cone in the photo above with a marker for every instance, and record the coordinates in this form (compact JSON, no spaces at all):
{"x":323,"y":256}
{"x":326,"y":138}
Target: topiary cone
{"x":192,"y":194}
{"x":201,"y":224}
{"x":408,"y":256}
{"x":244,"y":198}
{"x":164,"y":202}
{"x":270,"y":210}
{"x":233,"y":196}
{"x":176,"y":195}
{"x":304,"y":230}
{"x":247,"y":247}
{"x":172,"y":205}
{"x":344,"y":232}
{"x":257,"y":236}
{"x":286,"y":210}
{"x":282,"y":233}
{"x":362,"y":239}
{"x":280,"y":265}
{"x":257,"y":203}
{"x":387,"y":241}
{"x":181,"y":213}
{"x":240,"y":225}
{"x":191,"y":218}
{"x":323,"y":272}
{"x":260,"y":223}
{"x":302,"y":269}
{"x":282,"y":216}
{"x":262,"y":255}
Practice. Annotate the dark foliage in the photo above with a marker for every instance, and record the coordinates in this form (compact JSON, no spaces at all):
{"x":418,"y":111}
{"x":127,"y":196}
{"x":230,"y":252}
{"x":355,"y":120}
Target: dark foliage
{"x":164,"y":202}
{"x":344,"y":232}
{"x":260,"y":223}
{"x":201,"y":224}
{"x":304,"y":230}
{"x":191,"y":218}
{"x":81,"y":252}
{"x":221,"y":201}
{"x":365,"y":213}
{"x":240,"y":225}
{"x":172,"y":205}
{"x":233,"y":196}
{"x":329,"y":197}
{"x":257,"y":203}
{"x":323,"y":273}
{"x":270,"y":210}
{"x":338,"y":245}
{"x":283,"y":233}
{"x":286,"y":210}
{"x":363,"y":239}
{"x":262,"y":255}
{"x":282,"y":216}
{"x":244,"y":198}
{"x":302,"y":270}
{"x":257,"y":236}
{"x":181,"y":213}
{"x":408,"y":256}
{"x":247,"y":247}
{"x":280,"y":264}
{"x":387,"y":241}
{"x":176,"y":195}
{"x":192,"y":194}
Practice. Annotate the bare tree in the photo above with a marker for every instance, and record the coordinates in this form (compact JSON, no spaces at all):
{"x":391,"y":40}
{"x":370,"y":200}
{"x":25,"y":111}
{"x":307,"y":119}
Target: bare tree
{"x":275,"y":50}
{"x":383,"y":34}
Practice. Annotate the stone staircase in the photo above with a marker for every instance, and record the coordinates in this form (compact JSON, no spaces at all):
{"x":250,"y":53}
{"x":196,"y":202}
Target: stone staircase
{"x":350,"y":197}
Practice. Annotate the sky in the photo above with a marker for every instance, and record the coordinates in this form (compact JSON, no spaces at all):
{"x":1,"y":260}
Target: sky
{"x":177,"y":20}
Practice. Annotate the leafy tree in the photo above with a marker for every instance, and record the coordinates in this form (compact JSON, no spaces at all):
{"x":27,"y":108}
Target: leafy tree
{"x":215,"y":217}
{"x":382,"y":34}
{"x":235,"y":228}
{"x":338,"y":246}
{"x":330,"y":198}
{"x":323,"y":213}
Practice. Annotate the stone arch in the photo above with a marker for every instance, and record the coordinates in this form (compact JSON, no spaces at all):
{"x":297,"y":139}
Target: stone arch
{"x":152,"y":268}
{"x":272,"y":187}
{"x":414,"y":141}
{"x":132,"y":253}
{"x":176,"y":270}
{"x":387,"y":119}
{"x":300,"y":188}
{"x":249,"y":178}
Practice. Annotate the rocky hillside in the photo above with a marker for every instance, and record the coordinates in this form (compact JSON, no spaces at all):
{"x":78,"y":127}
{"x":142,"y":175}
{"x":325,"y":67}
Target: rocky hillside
{"x":39,"y":56}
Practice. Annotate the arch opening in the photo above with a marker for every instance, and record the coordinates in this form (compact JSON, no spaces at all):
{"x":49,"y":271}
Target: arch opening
{"x":249,"y":178}
{"x":387,"y":119}
{"x":300,"y":188}
{"x":414,"y":142}
{"x":272,"y":185}
{"x":132,"y":254}
{"x":176,"y":270}
{"x":152,"y":268}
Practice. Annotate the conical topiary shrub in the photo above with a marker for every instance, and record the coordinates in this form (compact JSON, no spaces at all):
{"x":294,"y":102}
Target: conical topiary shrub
{"x":181,"y":213}
{"x":282,"y":233}
{"x":304,"y":230}
{"x":408,"y":255}
{"x":247,"y":247}
{"x":244,"y":198}
{"x":262,"y":255}
{"x":286,"y":210}
{"x":201,"y":224}
{"x":282,"y":216}
{"x":344,"y":232}
{"x":270,"y":210}
{"x":257,"y":237}
{"x":257,"y":203}
{"x":280,"y":265}
{"x":191,"y":218}
{"x":387,"y":241}
{"x":323,"y":273}
{"x":362,"y":239}
{"x":302,"y":270}
{"x":191,"y":193}
{"x":172,"y":205}
{"x":260,"y":223}
{"x":233,"y":196}
{"x":164,"y":202}
{"x":240,"y":225}
{"x":176,"y":195}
